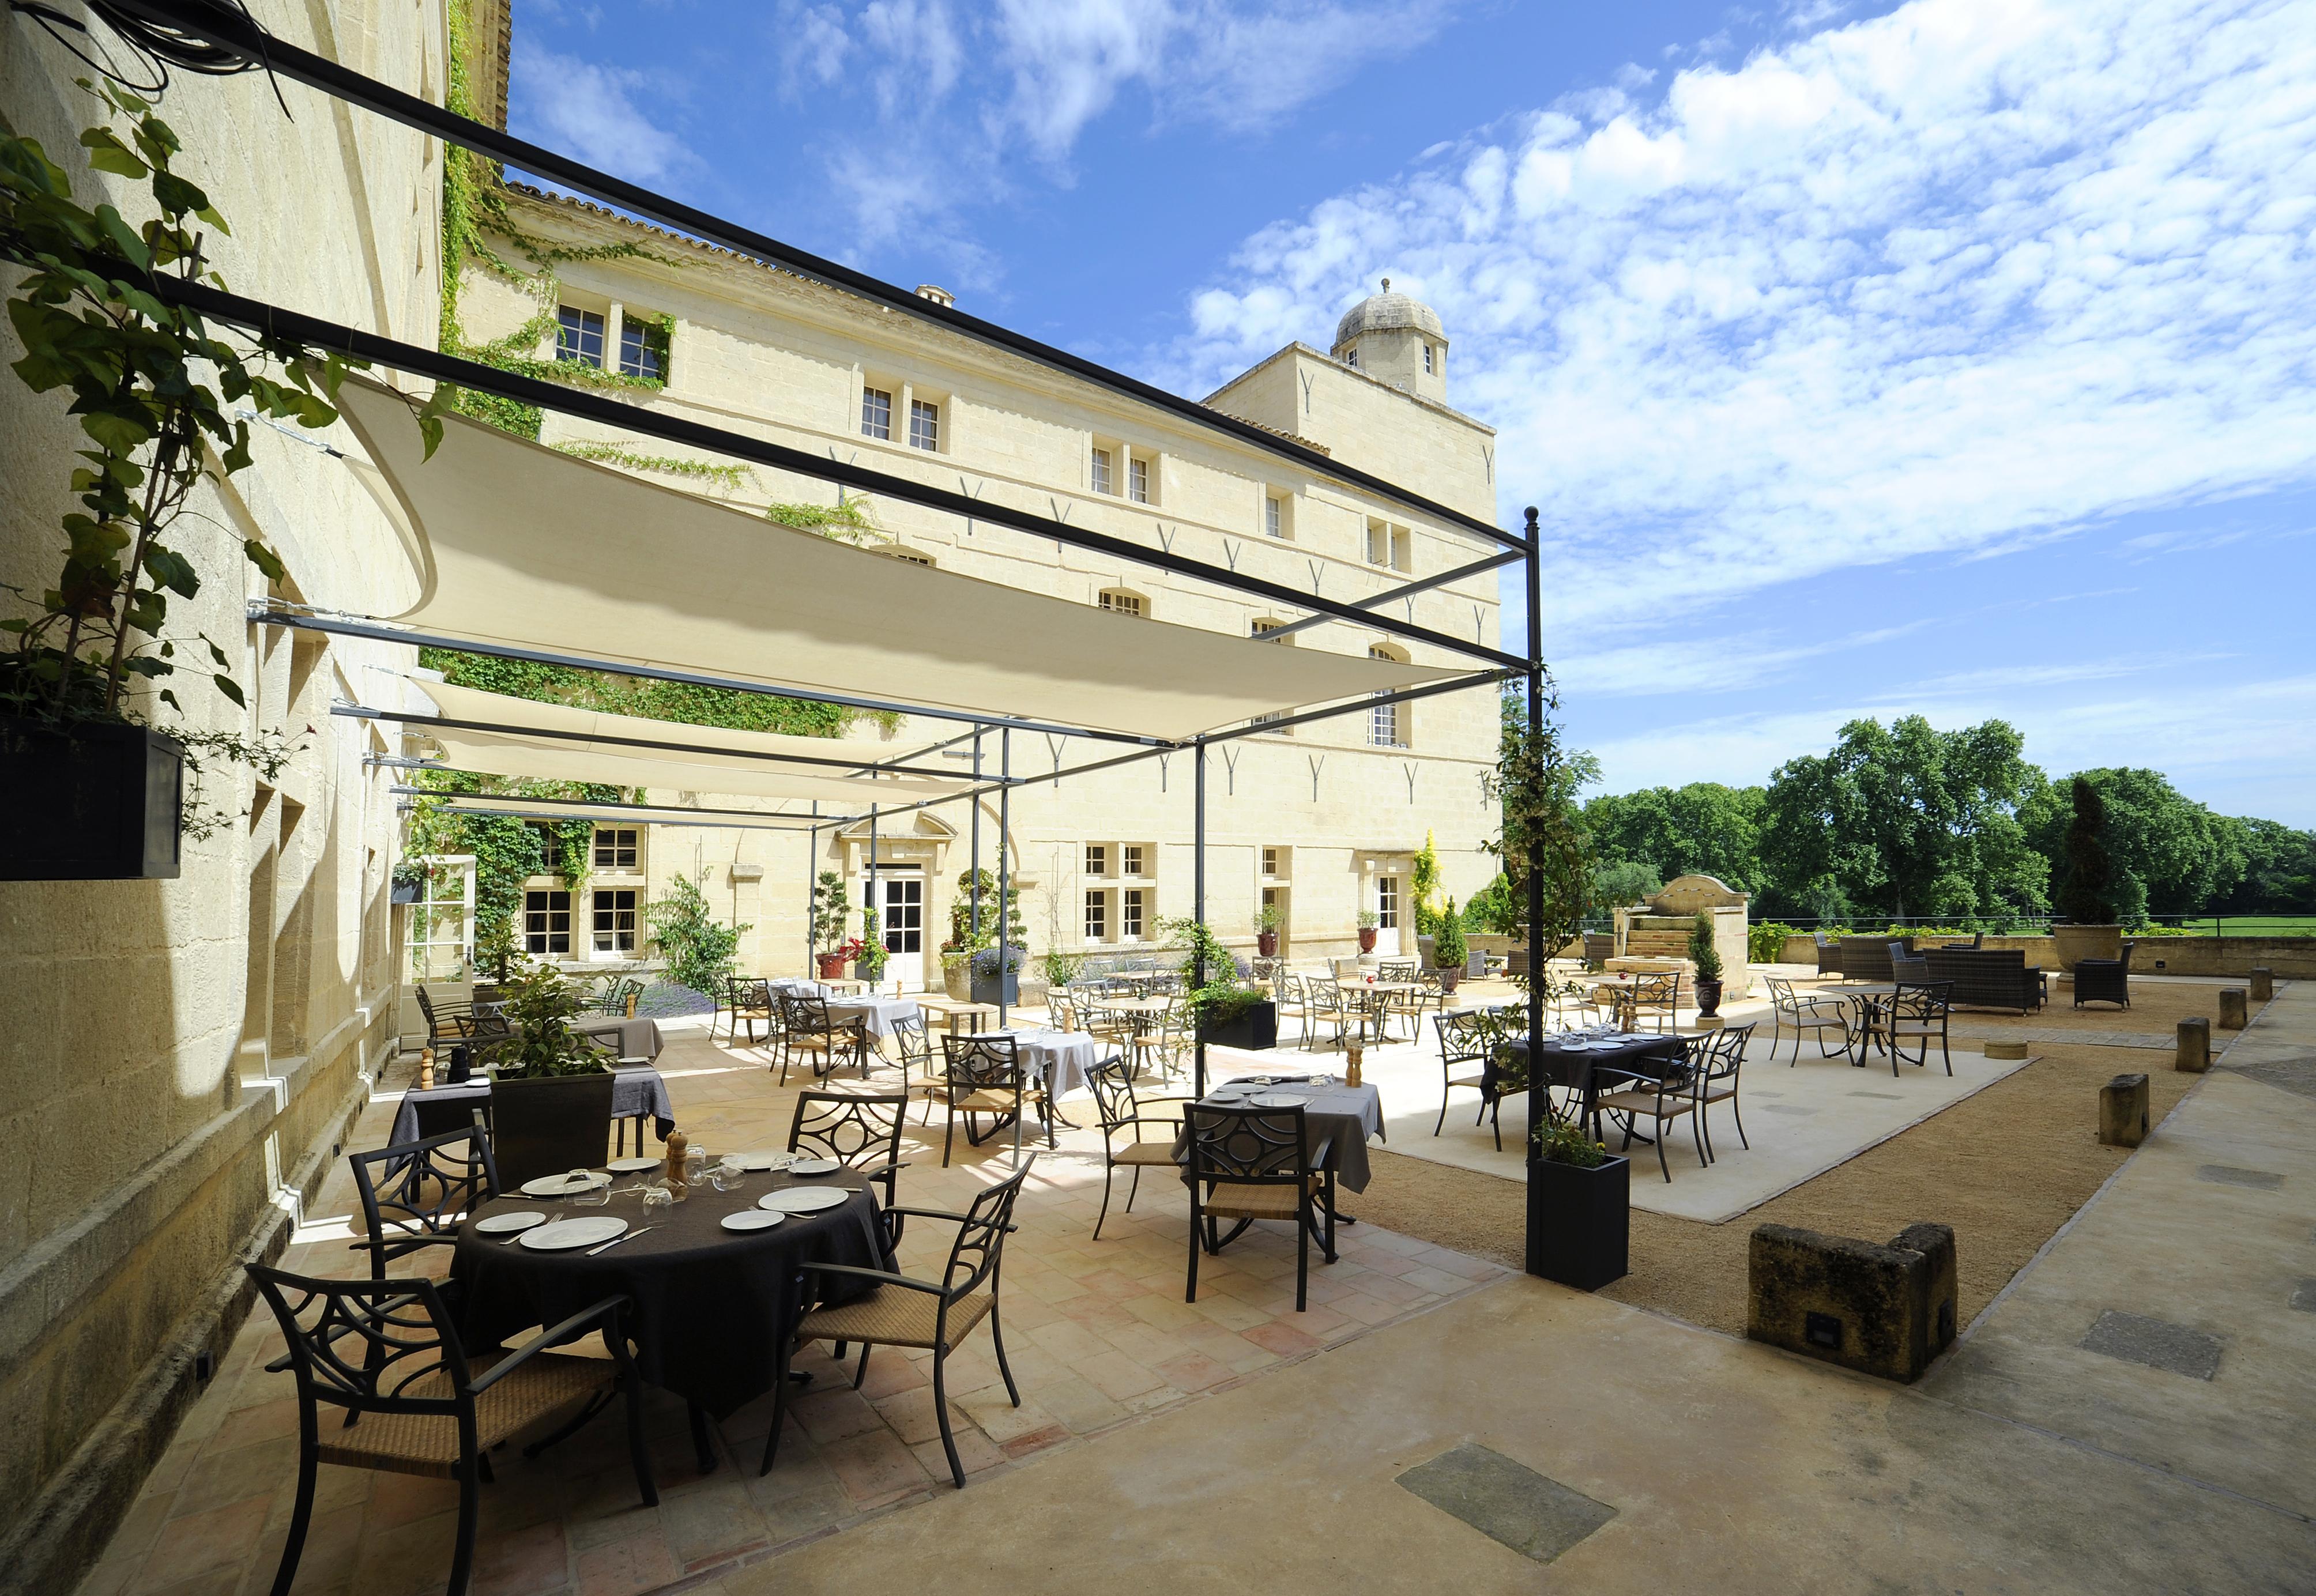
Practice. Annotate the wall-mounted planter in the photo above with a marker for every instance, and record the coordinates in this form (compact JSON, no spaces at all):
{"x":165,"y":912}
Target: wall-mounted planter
{"x":91,"y":803}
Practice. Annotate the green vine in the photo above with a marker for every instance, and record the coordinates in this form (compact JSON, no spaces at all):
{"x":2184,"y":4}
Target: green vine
{"x":619,"y":454}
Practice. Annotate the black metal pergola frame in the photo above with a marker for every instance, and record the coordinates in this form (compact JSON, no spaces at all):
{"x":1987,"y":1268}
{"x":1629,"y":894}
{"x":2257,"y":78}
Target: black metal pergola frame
{"x":233,"y":30}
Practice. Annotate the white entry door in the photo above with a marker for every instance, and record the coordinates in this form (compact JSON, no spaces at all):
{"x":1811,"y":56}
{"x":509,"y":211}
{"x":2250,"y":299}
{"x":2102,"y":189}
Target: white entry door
{"x":901,"y":918}
{"x":1390,"y":903}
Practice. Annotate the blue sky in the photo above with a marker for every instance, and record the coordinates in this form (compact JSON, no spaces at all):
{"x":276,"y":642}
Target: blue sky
{"x":1956,"y":357}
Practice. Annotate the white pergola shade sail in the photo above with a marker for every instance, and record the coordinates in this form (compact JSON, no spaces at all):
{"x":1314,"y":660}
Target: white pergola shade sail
{"x":621,"y":814}
{"x":521,"y":546}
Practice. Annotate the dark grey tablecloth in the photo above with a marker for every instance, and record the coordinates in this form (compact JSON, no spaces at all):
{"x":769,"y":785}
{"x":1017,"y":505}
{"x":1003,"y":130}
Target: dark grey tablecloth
{"x":637,"y":1089}
{"x":710,"y":1306}
{"x":1346,"y":1116}
{"x":1574,"y":1072}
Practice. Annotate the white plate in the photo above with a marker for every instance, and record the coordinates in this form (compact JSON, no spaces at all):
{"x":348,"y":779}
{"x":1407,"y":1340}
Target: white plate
{"x":815,"y":1166}
{"x":1279,"y":1100}
{"x":500,"y":1224}
{"x":565,"y":1234}
{"x":633,"y":1165}
{"x":759,"y":1162}
{"x":752,"y":1218}
{"x":801,"y":1200}
{"x":557,"y":1185}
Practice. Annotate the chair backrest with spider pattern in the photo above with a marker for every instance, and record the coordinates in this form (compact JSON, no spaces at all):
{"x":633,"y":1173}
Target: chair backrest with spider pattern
{"x":911,"y":1042}
{"x":422,"y":1188}
{"x":982,"y":1063}
{"x":979,"y":1249}
{"x":857,"y":1129}
{"x":1725,"y":1051}
{"x":1111,"y":1082}
{"x":1251,"y":1146}
{"x":371,"y":1347}
{"x":1467,"y":1036}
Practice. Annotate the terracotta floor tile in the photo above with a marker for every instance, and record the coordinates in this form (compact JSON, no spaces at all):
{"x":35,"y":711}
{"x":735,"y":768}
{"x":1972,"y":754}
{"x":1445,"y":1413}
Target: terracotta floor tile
{"x":532,"y":1561}
{"x":710,"y":1518}
{"x":215,"y":1538}
{"x":1230,"y":1312}
{"x":407,"y":1559}
{"x":265,"y":1421}
{"x":875,"y":1468}
{"x":1117,"y":1376}
{"x":1193,"y":1371}
{"x":1367,"y":1309}
{"x":974,"y":1451}
{"x":1282,"y":1338}
{"x":626,"y":1567}
{"x":406,"y":1498}
{"x":1035,"y":1441}
{"x":832,"y":1416}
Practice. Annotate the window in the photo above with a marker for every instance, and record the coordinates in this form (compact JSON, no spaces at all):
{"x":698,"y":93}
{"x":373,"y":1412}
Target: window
{"x":1352,"y":359}
{"x":1102,"y":481}
{"x":1428,"y":367}
{"x":615,"y":848}
{"x":1097,"y":916}
{"x":1123,"y":602}
{"x":1385,"y":725}
{"x":546,"y":922}
{"x":1130,"y":858}
{"x":1387,"y":903}
{"x":1138,"y":481}
{"x":876,"y":413}
{"x":1274,"y":515}
{"x":906,"y":556}
{"x":902,"y":921}
{"x":579,"y":336}
{"x":615,"y":920}
{"x":550,"y":846}
{"x":1389,"y":546}
{"x":1271,"y":859}
{"x":642,"y":348}
{"x":925,"y":425}
{"x":1130,"y":914}
{"x":1097,"y":859}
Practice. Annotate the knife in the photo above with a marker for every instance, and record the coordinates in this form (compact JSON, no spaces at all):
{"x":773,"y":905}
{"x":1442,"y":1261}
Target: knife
{"x":616,"y":1240}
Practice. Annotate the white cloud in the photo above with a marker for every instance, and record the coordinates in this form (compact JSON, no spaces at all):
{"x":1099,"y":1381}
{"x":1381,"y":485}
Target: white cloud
{"x":1957,"y":277}
{"x":591,"y":113}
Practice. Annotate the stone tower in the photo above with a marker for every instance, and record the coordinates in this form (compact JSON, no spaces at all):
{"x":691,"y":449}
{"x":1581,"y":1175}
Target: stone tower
{"x":1395,"y":339}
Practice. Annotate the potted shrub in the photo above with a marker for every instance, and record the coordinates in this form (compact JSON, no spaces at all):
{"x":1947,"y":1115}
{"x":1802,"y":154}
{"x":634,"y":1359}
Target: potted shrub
{"x":832,"y":906}
{"x":545,"y":1064}
{"x":1228,"y":1009}
{"x":956,"y":972}
{"x":986,"y":986}
{"x":2086,"y":898}
{"x":870,"y":957}
{"x":1706,"y":958}
{"x":1448,"y":951}
{"x":95,"y":793}
{"x":409,"y":882}
{"x":1367,"y":930}
{"x":1578,"y":1213}
{"x":1267,"y":922}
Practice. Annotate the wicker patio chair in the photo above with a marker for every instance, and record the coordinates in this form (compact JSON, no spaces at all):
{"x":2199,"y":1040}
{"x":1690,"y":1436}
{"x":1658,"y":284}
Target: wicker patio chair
{"x":415,"y":1403}
{"x":910,"y":1048}
{"x":1908,"y":966}
{"x":900,"y":1310}
{"x":1987,"y":977}
{"x":1721,"y":1062}
{"x":808,"y":1029}
{"x":2104,"y":981}
{"x":1467,"y":1044}
{"x":1662,"y":1099}
{"x":1799,"y":1012}
{"x":1250,"y":1164}
{"x":860,"y":1130}
{"x":1111,"y":1082}
{"x":1918,"y":1012}
{"x":1868,"y":958}
{"x":1829,"y":955}
{"x":985,"y":1076}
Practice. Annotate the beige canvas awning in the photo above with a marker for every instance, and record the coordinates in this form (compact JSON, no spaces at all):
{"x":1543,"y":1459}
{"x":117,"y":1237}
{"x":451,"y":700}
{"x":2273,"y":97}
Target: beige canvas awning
{"x":621,"y":814}
{"x":519,"y":546}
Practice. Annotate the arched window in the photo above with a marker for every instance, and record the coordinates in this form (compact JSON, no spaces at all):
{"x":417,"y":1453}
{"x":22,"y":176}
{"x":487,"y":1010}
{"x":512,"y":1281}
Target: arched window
{"x":1389,"y":724}
{"x":1124,"y":601}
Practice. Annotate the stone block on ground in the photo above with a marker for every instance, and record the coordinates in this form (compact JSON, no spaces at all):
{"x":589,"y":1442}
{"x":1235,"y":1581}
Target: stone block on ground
{"x":1882,"y":1310}
{"x":2006,"y":1050}
{"x":2263,"y":984}
{"x":2232,"y":1008}
{"x":2123,"y":1111}
{"x":2195,"y":1046}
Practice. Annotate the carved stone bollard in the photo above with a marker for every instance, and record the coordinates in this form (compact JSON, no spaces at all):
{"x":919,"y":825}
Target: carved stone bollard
{"x":2232,"y":1009}
{"x":2195,"y":1046}
{"x":2263,"y":984}
{"x":2123,"y":1111}
{"x":1882,"y":1310}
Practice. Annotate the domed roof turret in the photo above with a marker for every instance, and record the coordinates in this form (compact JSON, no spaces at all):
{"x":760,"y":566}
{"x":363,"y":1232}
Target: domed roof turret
{"x":1379,"y":312}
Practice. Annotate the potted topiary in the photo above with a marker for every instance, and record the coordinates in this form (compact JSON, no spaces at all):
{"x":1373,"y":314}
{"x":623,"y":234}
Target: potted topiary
{"x":956,"y":972}
{"x":832,"y":906}
{"x":1449,"y":950}
{"x":1367,"y":930}
{"x":986,"y":963}
{"x":1706,"y":958}
{"x":869,"y":958}
{"x":2087,"y":896}
{"x":1267,"y":922}
{"x":1578,"y":1209}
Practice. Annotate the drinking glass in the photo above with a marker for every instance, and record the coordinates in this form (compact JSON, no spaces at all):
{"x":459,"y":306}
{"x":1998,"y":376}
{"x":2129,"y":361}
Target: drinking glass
{"x":695,"y":1164}
{"x":657,"y":1197}
{"x":726,"y":1174}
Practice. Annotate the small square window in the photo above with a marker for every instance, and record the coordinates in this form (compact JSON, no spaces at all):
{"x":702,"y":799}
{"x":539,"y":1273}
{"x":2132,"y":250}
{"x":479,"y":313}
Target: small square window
{"x":579,"y":336}
{"x":925,"y":425}
{"x":1130,"y":858}
{"x":876,"y":413}
{"x":615,"y":848}
{"x":615,"y":921}
{"x":1097,"y":916}
{"x":1274,"y":516}
{"x":643,"y":349}
{"x":1102,"y":481}
{"x":1097,"y":859}
{"x":546,"y":922}
{"x":1130,"y":914}
{"x":1138,"y":481}
{"x":1271,"y":861}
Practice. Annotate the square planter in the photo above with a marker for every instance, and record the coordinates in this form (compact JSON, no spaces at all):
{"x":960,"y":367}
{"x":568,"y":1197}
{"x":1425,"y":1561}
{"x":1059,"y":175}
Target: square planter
{"x":1578,"y":1222}
{"x":1257,"y":1028}
{"x":985,"y":990}
{"x":93,"y":802}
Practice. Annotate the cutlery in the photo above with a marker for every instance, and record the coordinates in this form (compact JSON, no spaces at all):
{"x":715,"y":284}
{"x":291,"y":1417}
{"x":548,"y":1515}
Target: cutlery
{"x":616,"y":1240}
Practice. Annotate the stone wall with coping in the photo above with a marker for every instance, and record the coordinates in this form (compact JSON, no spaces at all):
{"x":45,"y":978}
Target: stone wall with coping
{"x":2290,"y":957}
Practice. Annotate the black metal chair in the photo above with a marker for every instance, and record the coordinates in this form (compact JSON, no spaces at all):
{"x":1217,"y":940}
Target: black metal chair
{"x":1111,"y":1081}
{"x":899,"y":1310}
{"x":746,"y":1001}
{"x":2104,"y":981}
{"x":1250,"y":1164}
{"x":385,"y":1353}
{"x":1721,"y":1062}
{"x":415,"y":1195}
{"x":909,"y":1048}
{"x":1662,"y":1098}
{"x":807,"y":1027}
{"x":542,"y":1128}
{"x":1918,"y":1012}
{"x":985,"y":1076}
{"x":1654,"y":997}
{"x":1467,"y":1039}
{"x":860,"y":1130}
{"x":1814,"y":1011}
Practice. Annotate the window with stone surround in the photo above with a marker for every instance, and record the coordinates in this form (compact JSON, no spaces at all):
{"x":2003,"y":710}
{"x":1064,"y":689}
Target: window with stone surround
{"x":615,"y":920}
{"x":1130,"y":914}
{"x":1104,"y":479}
{"x":925,"y":425}
{"x":642,"y":347}
{"x":617,"y":848}
{"x":579,"y":336}
{"x":1097,"y":916}
{"x":546,"y":922}
{"x":1137,"y":480}
{"x":876,"y":413}
{"x":1121,"y":601}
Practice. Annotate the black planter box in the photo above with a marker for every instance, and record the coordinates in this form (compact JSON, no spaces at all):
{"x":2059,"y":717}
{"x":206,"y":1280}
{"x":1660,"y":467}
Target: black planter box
{"x":96,"y":803}
{"x":1578,"y":1222}
{"x":984,"y":989}
{"x":1258,"y":1027}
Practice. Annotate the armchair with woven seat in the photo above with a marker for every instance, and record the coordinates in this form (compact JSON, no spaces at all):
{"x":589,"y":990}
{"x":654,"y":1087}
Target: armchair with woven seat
{"x":385,"y":1353}
{"x":1111,"y":1081}
{"x":1255,"y":1164}
{"x":1801,"y":1012}
{"x":747,"y":1001}
{"x":808,"y":1028}
{"x":1662,"y":1099}
{"x":415,"y":1194}
{"x":1829,"y":953}
{"x":985,"y":1078}
{"x":860,"y":1130}
{"x":1918,"y":1012}
{"x":1720,"y":1061}
{"x":899,"y":1310}
{"x":1654,"y":998}
{"x":2104,"y":981}
{"x":1467,"y":1044}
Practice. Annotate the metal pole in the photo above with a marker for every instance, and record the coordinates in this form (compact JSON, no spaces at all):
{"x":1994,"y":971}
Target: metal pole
{"x":1004,"y":879}
{"x":871,"y":904}
{"x":976,"y":841}
{"x":1198,"y":905}
{"x":1535,"y":575}
{"x":811,"y":891}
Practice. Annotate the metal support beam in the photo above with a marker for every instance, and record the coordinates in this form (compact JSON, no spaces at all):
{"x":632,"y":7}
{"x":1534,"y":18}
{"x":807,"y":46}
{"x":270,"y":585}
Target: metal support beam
{"x":1198,"y":911}
{"x":1535,"y":949}
{"x":1004,"y":919}
{"x":1393,"y":595}
{"x":661,"y":814}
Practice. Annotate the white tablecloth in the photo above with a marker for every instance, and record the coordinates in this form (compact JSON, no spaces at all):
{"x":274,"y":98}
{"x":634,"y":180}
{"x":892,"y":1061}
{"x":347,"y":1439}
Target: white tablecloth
{"x":796,"y":985}
{"x":881,"y":1015}
{"x":1062,"y":1056}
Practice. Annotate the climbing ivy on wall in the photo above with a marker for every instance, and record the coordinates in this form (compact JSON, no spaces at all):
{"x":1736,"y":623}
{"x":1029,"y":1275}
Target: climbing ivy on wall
{"x":507,"y":851}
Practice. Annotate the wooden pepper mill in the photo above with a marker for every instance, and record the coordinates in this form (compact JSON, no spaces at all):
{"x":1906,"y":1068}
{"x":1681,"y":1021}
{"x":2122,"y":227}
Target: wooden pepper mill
{"x":1353,"y":1052}
{"x":426,"y":1070}
{"x":677,"y":1182}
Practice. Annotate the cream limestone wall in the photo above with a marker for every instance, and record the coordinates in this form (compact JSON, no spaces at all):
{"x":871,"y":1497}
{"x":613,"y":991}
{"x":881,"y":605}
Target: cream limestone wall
{"x":181,"y":1056}
{"x":769,"y":353}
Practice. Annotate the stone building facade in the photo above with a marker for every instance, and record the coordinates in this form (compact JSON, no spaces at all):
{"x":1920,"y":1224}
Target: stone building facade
{"x":1321,"y":821}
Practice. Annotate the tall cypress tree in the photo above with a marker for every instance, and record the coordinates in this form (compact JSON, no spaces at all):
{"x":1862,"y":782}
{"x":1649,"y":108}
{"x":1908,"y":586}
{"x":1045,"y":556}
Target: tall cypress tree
{"x":2088,"y":897}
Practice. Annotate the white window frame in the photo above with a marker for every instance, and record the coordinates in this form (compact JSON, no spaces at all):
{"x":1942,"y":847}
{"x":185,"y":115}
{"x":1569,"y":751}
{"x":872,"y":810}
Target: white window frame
{"x":598,"y":932}
{"x":571,"y":342}
{"x":876,"y":412}
{"x":633,"y":846}
{"x":1101,"y":470}
{"x":1096,"y":922}
{"x":891,"y":889}
{"x":443,"y":918}
{"x":539,"y":931}
{"x":1130,"y":858}
{"x":1389,"y":724}
{"x":646,"y":335}
{"x":1274,"y":516}
{"x":1428,"y":369}
{"x":1388,"y":896}
{"x":1131,"y":919}
{"x":1138,"y":479}
{"x":1122,"y":601}
{"x":925,"y":424}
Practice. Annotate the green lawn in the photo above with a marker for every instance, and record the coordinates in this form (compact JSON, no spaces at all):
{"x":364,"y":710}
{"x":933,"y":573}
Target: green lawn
{"x":2253,"y":926}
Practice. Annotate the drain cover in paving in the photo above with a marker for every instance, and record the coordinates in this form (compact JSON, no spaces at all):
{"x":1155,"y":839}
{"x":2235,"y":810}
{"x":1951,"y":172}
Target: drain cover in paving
{"x":1507,"y":1502}
{"x":2304,"y":1296}
{"x":1786,"y":1108}
{"x":2228,"y":1175}
{"x":2157,"y":1343}
{"x":1886,"y":1096}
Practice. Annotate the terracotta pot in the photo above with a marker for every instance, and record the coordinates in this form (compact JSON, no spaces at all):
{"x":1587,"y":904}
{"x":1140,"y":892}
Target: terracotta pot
{"x":1367,"y":939}
{"x":831,"y":968}
{"x":2086,"y":942}
{"x":1265,"y":943}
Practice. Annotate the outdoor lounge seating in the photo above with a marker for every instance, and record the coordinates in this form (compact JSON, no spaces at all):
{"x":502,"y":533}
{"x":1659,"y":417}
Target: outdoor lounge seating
{"x":2104,"y":981}
{"x":1868,"y":958}
{"x":1987,"y":977}
{"x":1829,"y":955}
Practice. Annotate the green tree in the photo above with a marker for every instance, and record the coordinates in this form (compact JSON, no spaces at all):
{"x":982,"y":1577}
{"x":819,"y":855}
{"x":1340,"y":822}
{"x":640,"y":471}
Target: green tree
{"x":1539,"y":780}
{"x":2279,"y":870}
{"x":1624,"y":882}
{"x":698,"y":949}
{"x":1702,"y":828}
{"x":2170,"y":855}
{"x":2085,"y":893}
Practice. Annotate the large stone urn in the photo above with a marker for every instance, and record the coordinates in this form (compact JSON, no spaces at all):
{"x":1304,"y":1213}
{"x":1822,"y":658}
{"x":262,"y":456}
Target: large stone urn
{"x":2086,"y":942}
